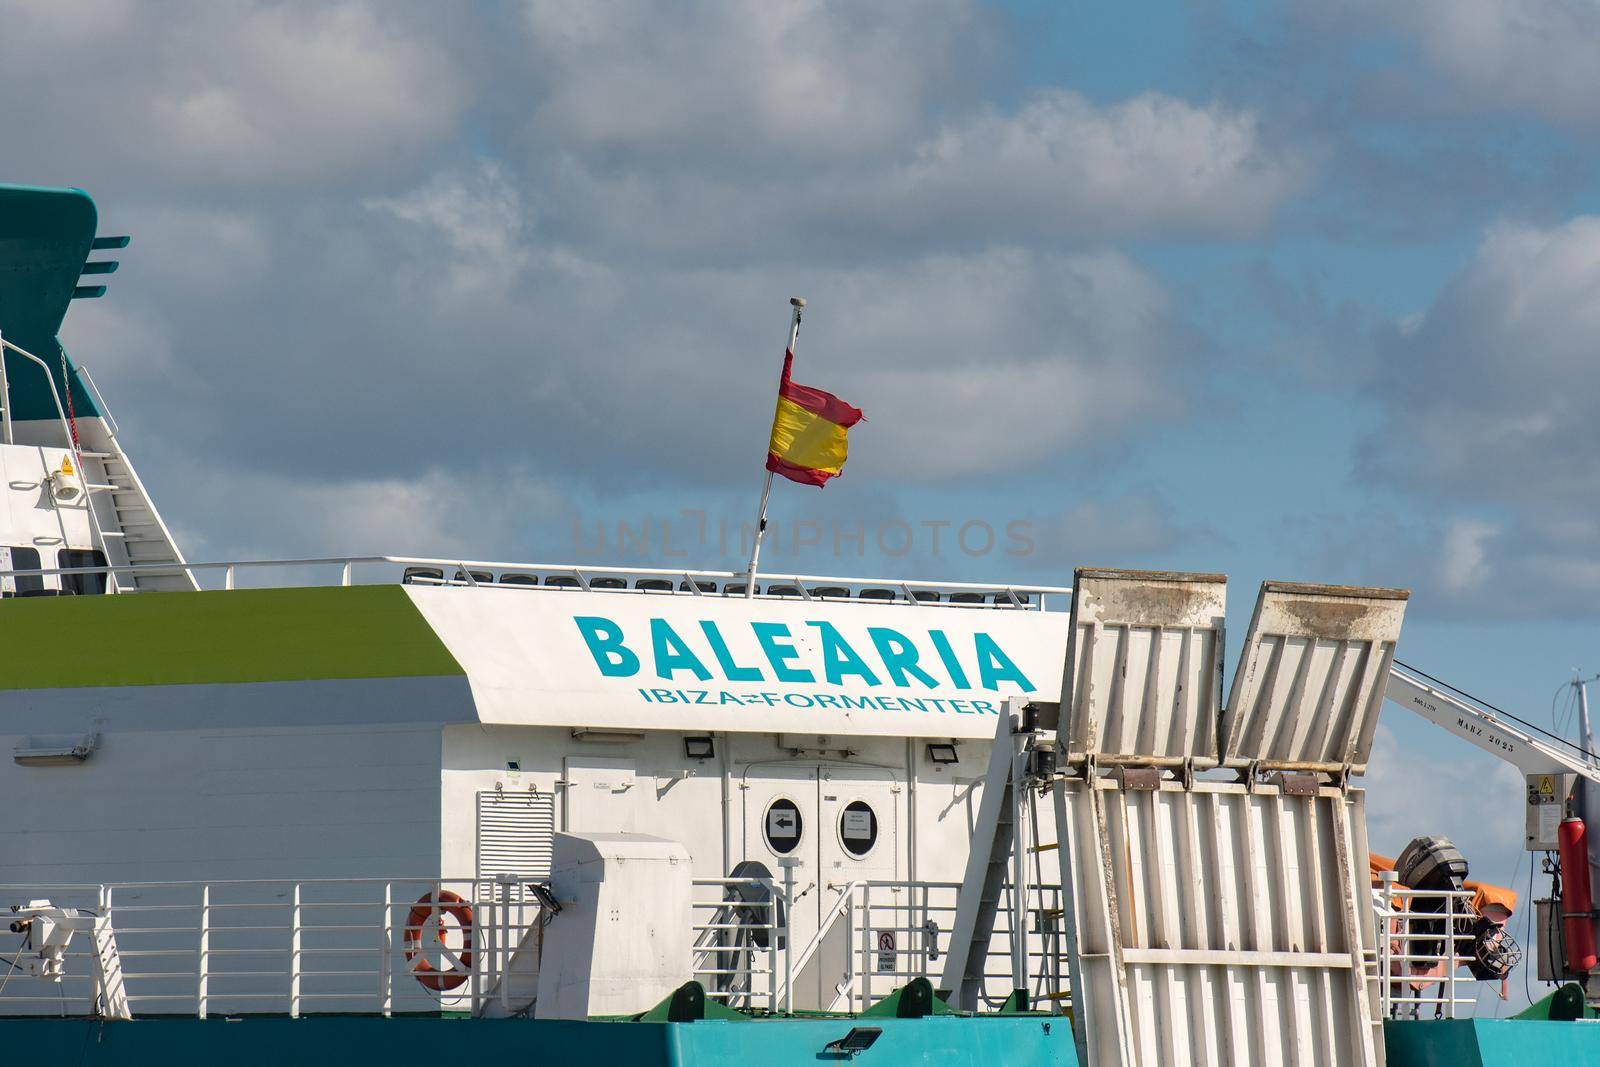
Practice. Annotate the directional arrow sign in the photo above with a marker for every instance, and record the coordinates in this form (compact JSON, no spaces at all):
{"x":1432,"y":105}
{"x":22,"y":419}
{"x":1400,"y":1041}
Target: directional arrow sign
{"x":782,"y":821}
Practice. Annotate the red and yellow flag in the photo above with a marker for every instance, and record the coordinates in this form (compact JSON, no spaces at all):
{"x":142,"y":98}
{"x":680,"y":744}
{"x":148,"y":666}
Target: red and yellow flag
{"x":810,"y":431}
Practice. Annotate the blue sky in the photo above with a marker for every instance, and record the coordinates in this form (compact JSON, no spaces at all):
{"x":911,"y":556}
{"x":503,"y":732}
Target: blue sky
{"x":1299,"y":291}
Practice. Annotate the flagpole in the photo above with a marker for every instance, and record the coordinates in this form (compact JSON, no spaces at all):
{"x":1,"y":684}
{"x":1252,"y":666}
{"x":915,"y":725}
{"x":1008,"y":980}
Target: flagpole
{"x":798,"y":303}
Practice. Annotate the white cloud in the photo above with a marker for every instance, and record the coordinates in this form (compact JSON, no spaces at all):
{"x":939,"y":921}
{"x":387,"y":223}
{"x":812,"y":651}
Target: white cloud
{"x":1539,"y":565}
{"x":1055,"y":167}
{"x":344,"y":247}
{"x":299,"y":93}
{"x":1492,"y":392}
{"x":789,"y":81}
{"x":1012,"y":354}
{"x":234,"y":94}
{"x":431,"y":512}
{"x":479,"y":215}
{"x":1128,"y":529}
{"x":1480,"y":454}
{"x":842,"y":128}
{"x":1520,"y":54}
{"x":1061,"y":163}
{"x":439,"y":327}
{"x":118,"y":342}
{"x":1464,"y":557}
{"x":1443,"y":787}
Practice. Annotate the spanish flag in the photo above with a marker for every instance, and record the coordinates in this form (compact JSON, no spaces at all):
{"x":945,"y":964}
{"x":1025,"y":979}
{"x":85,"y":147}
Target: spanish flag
{"x":809,"y":431}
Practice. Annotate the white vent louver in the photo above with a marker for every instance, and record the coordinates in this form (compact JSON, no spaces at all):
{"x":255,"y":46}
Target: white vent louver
{"x":516,"y":834}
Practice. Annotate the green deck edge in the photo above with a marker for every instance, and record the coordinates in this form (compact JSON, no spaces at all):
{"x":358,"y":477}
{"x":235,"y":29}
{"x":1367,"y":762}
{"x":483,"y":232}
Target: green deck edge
{"x":240,"y":635}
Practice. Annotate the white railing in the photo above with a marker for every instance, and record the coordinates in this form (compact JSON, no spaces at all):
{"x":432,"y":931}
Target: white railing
{"x":884,"y":933}
{"x":901,"y":930}
{"x":1423,"y":940}
{"x":534,"y":577}
{"x":742,"y":945}
{"x":68,"y":431}
{"x":281,"y":947}
{"x":369,"y":946}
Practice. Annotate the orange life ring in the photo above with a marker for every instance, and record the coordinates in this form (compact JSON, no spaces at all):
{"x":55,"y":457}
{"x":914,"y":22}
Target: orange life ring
{"x":422,"y":969}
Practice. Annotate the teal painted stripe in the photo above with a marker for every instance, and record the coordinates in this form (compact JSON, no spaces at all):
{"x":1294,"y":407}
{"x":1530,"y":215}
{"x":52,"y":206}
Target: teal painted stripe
{"x":1490,"y":1042}
{"x":992,"y":1041}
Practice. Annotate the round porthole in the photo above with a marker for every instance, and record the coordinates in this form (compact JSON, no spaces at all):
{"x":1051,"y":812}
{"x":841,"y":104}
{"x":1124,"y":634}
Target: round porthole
{"x":784,"y":826}
{"x":858,"y":828}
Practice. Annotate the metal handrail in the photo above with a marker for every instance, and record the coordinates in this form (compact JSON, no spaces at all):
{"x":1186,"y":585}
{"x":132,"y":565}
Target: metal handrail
{"x":66,"y":429}
{"x":1394,"y":934}
{"x":280,"y":955}
{"x":862,"y":913}
{"x":845,"y":902}
{"x":230,"y":567}
{"x":706,"y":958}
{"x":183,"y":954}
{"x":100,"y":401}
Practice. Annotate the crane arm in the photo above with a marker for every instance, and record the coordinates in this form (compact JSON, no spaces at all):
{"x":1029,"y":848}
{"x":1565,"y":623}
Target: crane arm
{"x":1483,"y":728}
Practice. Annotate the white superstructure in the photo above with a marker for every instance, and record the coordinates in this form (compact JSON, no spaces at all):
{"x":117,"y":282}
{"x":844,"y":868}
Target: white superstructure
{"x":835,"y":742}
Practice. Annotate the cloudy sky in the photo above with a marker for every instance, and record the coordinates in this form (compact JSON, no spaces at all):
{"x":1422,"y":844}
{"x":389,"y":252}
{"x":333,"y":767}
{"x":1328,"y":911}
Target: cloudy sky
{"x":1303,"y":292}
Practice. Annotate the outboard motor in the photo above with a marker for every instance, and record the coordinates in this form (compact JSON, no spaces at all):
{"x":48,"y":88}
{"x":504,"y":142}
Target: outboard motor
{"x":1431,"y":865}
{"x":1435,"y":865}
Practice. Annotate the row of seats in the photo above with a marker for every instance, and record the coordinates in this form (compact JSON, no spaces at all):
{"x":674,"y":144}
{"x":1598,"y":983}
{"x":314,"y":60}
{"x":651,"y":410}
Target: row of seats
{"x":435,"y":576}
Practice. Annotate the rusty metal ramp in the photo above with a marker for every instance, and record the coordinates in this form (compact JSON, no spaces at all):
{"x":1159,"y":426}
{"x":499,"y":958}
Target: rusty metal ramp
{"x":1216,"y":921}
{"x":1311,"y":677}
{"x":1147,"y":646}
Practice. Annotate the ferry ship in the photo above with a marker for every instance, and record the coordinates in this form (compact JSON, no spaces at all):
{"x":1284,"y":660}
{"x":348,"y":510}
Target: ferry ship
{"x":465,"y":808}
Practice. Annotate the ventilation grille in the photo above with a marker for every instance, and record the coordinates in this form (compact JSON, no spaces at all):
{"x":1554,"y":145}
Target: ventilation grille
{"x":516,"y":834}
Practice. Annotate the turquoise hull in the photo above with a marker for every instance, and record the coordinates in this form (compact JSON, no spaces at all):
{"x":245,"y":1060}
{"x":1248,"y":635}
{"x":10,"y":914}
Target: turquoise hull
{"x":1491,"y":1042}
{"x":260,"y":1041}
{"x":947,"y":1041}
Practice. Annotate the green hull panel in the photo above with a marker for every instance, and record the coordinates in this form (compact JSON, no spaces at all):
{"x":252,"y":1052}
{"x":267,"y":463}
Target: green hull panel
{"x":1490,"y":1042}
{"x":272,"y":1042}
{"x":241,"y":635}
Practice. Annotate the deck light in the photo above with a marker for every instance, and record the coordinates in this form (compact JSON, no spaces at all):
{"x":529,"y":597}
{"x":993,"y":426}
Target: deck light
{"x":859,"y":1039}
{"x":55,"y":751}
{"x":546,"y":897}
{"x":606,"y":736}
{"x":699,"y":747}
{"x":942,"y":753}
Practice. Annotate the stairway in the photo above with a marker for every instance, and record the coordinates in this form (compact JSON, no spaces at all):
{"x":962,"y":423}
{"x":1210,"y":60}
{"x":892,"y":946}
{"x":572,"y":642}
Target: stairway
{"x":136,"y":524}
{"x":991,"y":863}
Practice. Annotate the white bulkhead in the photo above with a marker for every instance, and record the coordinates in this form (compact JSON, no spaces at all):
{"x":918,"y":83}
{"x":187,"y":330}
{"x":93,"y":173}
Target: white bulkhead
{"x":846,"y":742}
{"x":45,"y":521}
{"x":833,"y":743}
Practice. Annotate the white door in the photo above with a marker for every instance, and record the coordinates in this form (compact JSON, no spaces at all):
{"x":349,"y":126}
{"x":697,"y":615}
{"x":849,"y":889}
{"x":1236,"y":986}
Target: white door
{"x":859,"y":836}
{"x":602,"y":795}
{"x":780,"y":823}
{"x":840,"y":825}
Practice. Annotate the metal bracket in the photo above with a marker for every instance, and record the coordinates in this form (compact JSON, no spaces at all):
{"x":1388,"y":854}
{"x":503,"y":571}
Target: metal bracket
{"x":1297,"y":783}
{"x":1251,"y":775}
{"x":1186,"y":774}
{"x":1144,"y":778}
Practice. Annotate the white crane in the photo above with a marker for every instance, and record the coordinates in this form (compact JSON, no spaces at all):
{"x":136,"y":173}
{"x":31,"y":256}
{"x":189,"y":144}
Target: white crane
{"x":1499,"y":735}
{"x":1551,"y":765}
